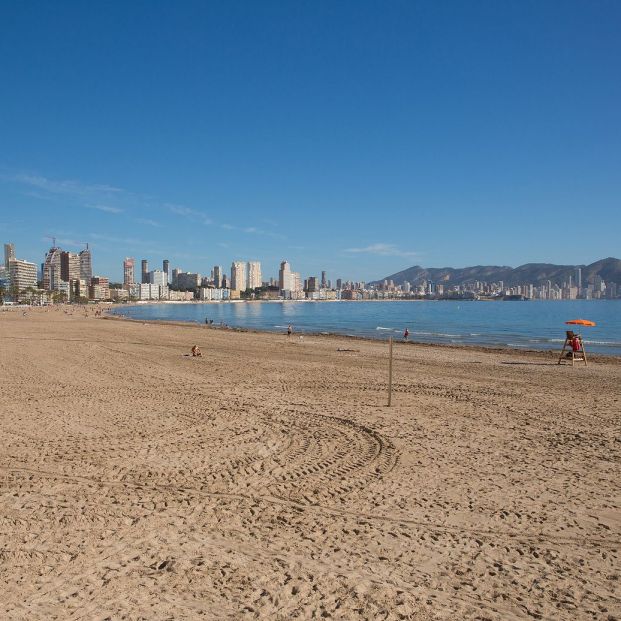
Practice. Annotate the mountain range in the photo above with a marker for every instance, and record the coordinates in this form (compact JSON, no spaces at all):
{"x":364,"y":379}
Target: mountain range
{"x":536,"y":273}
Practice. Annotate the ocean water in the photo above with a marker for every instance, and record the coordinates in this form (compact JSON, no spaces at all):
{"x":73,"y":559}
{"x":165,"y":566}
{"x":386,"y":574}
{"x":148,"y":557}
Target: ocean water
{"x":527,"y":325}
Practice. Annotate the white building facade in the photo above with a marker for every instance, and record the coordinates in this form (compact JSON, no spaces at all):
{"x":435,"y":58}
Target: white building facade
{"x":238,"y":276}
{"x":254,"y":275}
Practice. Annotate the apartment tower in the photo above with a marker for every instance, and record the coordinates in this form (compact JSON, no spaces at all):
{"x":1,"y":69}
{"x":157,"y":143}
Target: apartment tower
{"x":254,"y":274}
{"x":9,"y":253}
{"x":128,"y":272}
{"x":69,"y":266}
{"x":22,"y":274}
{"x":217,"y":276}
{"x":51,"y":269}
{"x":86,"y":264}
{"x":238,"y":276}
{"x":284,"y":277}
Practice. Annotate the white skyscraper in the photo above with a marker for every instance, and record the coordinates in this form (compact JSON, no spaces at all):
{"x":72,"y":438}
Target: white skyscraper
{"x":254,"y":274}
{"x":238,"y":276}
{"x":284,"y":277}
{"x":158,"y":277}
{"x":295,"y":281}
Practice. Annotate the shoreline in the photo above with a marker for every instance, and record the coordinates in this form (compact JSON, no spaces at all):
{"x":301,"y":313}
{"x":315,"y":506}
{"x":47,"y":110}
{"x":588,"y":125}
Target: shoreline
{"x":544,"y":353}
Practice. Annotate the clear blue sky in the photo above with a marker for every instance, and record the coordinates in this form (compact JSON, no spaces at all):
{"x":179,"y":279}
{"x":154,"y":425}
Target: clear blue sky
{"x":357,"y":137}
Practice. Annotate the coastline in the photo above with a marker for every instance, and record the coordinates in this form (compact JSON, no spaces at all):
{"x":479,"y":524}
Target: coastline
{"x":521,"y":351}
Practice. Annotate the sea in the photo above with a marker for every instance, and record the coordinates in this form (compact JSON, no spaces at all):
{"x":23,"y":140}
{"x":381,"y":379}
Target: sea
{"x":532,"y":324}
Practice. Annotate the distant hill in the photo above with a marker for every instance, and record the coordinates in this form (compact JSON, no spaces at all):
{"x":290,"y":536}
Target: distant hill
{"x":536,"y":273}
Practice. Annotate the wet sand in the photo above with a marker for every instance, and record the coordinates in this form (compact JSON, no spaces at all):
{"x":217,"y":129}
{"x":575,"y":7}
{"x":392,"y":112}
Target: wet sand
{"x":268,"y":479}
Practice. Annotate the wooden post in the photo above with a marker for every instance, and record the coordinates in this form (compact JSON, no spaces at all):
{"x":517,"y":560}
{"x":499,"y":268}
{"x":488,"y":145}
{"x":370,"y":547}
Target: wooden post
{"x":583,"y":352}
{"x":563,"y":350}
{"x":390,"y":372}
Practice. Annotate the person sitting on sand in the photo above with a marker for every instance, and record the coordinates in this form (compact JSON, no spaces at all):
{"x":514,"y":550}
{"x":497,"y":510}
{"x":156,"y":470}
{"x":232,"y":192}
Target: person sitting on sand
{"x":196,"y":351}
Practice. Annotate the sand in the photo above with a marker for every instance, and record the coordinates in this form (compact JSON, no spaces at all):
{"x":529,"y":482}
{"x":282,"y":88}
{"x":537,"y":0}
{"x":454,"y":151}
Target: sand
{"x":269,"y":480}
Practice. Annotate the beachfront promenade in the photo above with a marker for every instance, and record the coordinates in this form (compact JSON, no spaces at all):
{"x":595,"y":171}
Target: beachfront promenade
{"x":267,"y":479}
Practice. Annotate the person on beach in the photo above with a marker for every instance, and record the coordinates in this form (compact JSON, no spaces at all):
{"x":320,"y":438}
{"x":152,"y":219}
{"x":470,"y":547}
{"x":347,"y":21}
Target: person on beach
{"x":406,"y":334}
{"x":289,"y":331}
{"x":196,"y":351}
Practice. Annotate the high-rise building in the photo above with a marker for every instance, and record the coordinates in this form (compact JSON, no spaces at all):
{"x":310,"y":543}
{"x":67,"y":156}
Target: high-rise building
{"x":598,"y":283}
{"x":186,"y":281}
{"x":166,"y":269}
{"x":86,"y":264}
{"x":217,"y":276}
{"x":9,"y":253}
{"x":324,"y":282}
{"x":51,"y":269}
{"x":128,"y":272}
{"x":238,"y":276}
{"x":158,"y":277}
{"x":296,"y":282}
{"x":313,"y":283}
{"x":145,"y":272}
{"x":254,"y":274}
{"x":69,"y":266}
{"x":174,"y":283}
{"x":22,"y":274}
{"x":339,"y":283}
{"x":99,"y":288}
{"x":579,"y":278}
{"x":284,"y":276}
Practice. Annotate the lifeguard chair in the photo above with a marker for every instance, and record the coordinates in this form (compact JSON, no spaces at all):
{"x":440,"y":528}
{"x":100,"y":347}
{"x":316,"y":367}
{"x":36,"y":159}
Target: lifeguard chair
{"x":573,"y":349}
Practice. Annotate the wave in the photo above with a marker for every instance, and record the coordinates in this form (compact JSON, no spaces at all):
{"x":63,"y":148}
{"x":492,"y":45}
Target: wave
{"x":443,"y":334}
{"x":587,"y":341}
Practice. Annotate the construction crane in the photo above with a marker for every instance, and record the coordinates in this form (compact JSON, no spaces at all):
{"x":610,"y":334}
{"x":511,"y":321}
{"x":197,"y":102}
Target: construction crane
{"x":53,"y":240}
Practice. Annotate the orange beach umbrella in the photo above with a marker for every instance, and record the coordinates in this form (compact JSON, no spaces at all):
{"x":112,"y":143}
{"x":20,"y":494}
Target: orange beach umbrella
{"x":581,"y":322}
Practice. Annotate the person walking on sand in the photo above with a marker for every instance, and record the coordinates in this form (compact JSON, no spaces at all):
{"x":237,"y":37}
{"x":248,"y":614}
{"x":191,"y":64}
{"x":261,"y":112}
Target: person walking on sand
{"x":289,"y":331}
{"x":406,"y":334}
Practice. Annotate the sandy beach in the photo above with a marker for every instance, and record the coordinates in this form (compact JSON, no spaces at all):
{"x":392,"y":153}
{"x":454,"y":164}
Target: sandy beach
{"x":269,"y":480}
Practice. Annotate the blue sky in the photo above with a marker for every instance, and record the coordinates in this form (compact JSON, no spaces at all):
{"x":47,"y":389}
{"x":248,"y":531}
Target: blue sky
{"x":356,"y":137}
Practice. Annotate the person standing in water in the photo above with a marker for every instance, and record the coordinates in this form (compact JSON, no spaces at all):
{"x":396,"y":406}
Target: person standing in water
{"x":406,"y":334}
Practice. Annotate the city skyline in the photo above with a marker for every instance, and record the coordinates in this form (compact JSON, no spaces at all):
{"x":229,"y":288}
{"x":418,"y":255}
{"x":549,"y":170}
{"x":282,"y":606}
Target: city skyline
{"x":356,"y":139}
{"x":70,"y":275}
